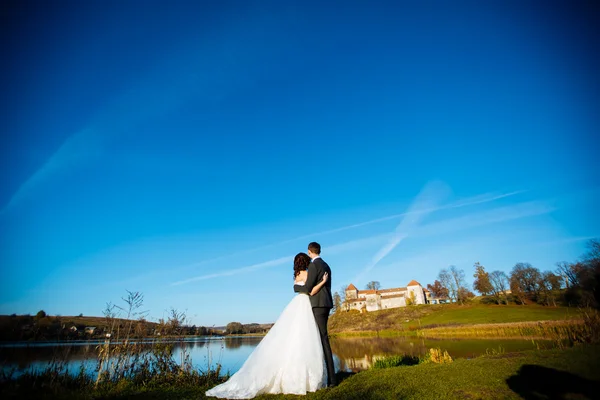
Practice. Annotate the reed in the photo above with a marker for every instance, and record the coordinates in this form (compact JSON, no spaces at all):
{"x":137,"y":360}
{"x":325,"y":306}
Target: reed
{"x":370,"y":333}
{"x":570,"y":329}
{"x":396,"y":361}
{"x":437,"y":356}
{"x":124,"y":364}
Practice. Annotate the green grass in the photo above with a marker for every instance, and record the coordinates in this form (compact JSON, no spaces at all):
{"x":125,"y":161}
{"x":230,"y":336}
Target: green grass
{"x":396,"y":361}
{"x":488,"y":314}
{"x":413,"y":318}
{"x":525,"y":330}
{"x":570,"y":373}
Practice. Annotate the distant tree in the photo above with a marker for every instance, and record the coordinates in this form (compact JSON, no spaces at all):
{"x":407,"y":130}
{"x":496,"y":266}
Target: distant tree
{"x":343,"y":300}
{"x":517,"y":291}
{"x":373,"y":285}
{"x":453,"y":279}
{"x":445,"y":279}
{"x":337,"y":302}
{"x":590,"y":283}
{"x":80,"y":315}
{"x":40,"y":314}
{"x":234,"y":328}
{"x":458,"y":276}
{"x":499,"y":283}
{"x":412,"y":299}
{"x":593,"y":254}
{"x":482,"y":282}
{"x":568,"y":272}
{"x":583,"y":284}
{"x":549,"y":285}
{"x":438,"y":290}
{"x":465,"y":295}
{"x":524,"y":282}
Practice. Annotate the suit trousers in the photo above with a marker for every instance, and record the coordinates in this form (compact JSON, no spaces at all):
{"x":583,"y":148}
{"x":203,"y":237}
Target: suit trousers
{"x":321,"y":316}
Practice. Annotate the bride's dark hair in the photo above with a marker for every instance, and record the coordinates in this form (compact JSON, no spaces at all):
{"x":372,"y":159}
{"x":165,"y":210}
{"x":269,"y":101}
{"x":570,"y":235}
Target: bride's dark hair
{"x":301,"y":262}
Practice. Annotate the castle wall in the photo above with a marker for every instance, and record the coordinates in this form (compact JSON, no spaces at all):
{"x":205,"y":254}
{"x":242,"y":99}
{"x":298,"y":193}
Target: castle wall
{"x":373,"y":300}
{"x":419,"y":295}
{"x":394,"y":302}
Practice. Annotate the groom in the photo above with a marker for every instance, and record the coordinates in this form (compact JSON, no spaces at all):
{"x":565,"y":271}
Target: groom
{"x":321,"y":303}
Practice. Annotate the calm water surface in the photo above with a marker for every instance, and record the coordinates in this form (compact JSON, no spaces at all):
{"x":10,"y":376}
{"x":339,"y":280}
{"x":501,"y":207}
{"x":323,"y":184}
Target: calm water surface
{"x":350,"y":354}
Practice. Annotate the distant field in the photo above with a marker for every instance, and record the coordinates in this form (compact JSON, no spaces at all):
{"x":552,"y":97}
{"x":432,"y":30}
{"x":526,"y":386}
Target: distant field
{"x":75,"y":320}
{"x":418,"y":317}
{"x":481,"y":314}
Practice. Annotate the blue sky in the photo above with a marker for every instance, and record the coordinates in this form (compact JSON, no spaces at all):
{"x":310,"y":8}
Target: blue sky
{"x":189,"y":150}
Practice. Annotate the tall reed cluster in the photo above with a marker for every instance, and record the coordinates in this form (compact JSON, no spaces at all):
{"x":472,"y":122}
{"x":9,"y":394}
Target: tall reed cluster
{"x":434,"y":355}
{"x":525,"y":330}
{"x":123,"y":362}
{"x":144,"y":362}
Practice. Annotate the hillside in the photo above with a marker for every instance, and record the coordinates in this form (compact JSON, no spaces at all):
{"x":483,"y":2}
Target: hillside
{"x":417,"y":317}
{"x":27,"y":327}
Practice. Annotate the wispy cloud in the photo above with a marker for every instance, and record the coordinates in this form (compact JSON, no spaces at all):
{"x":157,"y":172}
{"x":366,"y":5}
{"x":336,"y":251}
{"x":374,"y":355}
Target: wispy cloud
{"x":481,"y":218}
{"x":484,"y":198}
{"x":566,"y":240}
{"x":479,"y":199}
{"x":337,"y":248}
{"x":182,"y":74}
{"x":249,"y":268}
{"x":83,"y":146}
{"x":451,"y":225}
{"x":426,"y":202}
{"x":421,"y":207}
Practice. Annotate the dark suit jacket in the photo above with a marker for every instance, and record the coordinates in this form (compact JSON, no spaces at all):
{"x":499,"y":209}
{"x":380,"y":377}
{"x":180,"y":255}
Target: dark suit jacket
{"x":316,"y":270}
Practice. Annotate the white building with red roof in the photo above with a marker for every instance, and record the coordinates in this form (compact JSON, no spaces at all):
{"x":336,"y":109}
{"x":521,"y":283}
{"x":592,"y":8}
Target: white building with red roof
{"x":373,"y":300}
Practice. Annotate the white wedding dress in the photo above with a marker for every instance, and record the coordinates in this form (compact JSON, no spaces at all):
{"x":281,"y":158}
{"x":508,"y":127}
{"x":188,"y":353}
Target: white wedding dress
{"x":288,"y":360}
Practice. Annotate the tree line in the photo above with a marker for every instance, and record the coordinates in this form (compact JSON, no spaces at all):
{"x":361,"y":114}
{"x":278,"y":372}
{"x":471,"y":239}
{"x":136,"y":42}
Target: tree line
{"x":573,"y":284}
{"x":570,"y":283}
{"x":237,"y":328}
{"x":46,"y":327}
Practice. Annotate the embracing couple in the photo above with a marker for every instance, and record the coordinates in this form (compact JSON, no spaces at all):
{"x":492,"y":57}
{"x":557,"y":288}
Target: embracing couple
{"x":295,"y":356}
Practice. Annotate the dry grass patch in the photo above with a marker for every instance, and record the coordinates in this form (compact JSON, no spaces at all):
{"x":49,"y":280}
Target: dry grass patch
{"x":567,"y":330}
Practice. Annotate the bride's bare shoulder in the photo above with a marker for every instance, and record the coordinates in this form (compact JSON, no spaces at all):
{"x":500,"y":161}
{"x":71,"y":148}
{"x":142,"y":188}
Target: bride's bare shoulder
{"x":301,"y":276}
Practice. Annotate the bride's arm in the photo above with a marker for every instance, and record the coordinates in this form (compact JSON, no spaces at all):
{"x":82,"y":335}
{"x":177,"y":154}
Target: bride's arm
{"x":318,"y":287}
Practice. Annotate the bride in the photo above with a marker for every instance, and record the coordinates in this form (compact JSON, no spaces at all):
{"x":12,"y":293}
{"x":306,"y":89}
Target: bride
{"x":289,"y":359}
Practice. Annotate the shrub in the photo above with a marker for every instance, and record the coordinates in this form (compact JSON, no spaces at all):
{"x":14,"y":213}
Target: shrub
{"x":488,"y":300}
{"x":396,"y":361}
{"x":438,"y":356}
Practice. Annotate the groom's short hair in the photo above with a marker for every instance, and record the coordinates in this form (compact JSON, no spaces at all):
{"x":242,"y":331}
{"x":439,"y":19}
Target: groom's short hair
{"x":315,"y":247}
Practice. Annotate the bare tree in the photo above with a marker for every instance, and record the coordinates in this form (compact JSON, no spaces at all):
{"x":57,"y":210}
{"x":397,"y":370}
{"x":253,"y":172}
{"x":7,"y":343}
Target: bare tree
{"x":499,"y":282}
{"x":569,"y":273}
{"x":458,"y":276}
{"x":373,"y":285}
{"x":447,"y":282}
{"x":549,"y":285}
{"x":337,"y":302}
{"x":343,"y":300}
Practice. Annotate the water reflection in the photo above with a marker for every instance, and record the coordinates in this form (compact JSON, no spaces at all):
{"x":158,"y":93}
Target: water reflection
{"x":356,"y":354}
{"x":351,"y":354}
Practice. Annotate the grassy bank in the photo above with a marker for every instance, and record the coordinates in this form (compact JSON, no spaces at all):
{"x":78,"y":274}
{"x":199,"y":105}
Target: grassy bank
{"x":408,"y":320}
{"x":524,"y":330}
{"x":535,"y":374}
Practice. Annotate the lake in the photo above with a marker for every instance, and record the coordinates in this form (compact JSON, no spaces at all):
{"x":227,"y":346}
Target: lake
{"x":350,"y":354}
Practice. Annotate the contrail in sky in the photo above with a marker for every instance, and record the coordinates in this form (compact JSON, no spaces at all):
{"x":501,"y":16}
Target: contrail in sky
{"x":236,"y":271}
{"x":425,"y":203}
{"x":479,"y":199}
